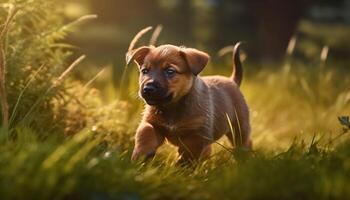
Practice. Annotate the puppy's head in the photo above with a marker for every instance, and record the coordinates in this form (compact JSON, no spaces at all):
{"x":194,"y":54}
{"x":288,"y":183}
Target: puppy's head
{"x":167,"y":72}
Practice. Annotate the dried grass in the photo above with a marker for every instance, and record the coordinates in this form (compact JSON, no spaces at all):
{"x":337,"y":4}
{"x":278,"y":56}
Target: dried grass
{"x":3,"y":95}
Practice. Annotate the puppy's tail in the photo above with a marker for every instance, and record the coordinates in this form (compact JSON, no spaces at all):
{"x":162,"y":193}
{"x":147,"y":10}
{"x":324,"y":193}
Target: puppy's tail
{"x":237,"y":73}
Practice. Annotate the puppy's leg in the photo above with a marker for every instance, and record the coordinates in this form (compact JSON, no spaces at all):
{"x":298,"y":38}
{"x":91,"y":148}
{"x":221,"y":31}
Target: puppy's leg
{"x":193,"y":148}
{"x":147,"y":140}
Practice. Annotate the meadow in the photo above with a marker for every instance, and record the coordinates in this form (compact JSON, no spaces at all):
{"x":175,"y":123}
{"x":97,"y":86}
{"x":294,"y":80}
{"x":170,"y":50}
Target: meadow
{"x":67,"y":137}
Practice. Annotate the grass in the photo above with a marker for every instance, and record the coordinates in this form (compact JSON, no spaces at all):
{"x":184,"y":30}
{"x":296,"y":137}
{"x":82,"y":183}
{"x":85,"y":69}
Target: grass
{"x":294,"y":157}
{"x":83,"y":168}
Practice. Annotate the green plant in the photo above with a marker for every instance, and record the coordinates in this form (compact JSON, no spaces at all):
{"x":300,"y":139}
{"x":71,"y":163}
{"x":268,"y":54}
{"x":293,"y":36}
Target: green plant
{"x":34,"y":65}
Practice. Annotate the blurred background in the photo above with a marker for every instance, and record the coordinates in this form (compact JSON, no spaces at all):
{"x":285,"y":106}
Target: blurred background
{"x":297,"y":49}
{"x":266,"y":26}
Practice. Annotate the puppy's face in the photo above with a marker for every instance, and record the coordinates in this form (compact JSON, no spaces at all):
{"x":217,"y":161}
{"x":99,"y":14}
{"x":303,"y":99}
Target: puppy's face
{"x":167,"y":72}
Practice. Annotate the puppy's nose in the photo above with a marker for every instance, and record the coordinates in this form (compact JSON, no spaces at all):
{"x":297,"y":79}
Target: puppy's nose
{"x":149,"y":89}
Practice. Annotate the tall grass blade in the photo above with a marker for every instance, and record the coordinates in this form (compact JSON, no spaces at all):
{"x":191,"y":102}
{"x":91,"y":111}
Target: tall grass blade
{"x":3,"y":94}
{"x":79,"y":20}
{"x":137,"y":37}
{"x":291,"y":46}
{"x":186,"y":147}
{"x":56,"y":83}
{"x":68,"y":70}
{"x":239,"y":128}
{"x":13,"y":115}
{"x":234,"y":142}
{"x":218,"y":143}
{"x":94,"y":78}
{"x":155,"y":35}
{"x":324,"y":54}
{"x":225,"y":50}
{"x":128,"y":55}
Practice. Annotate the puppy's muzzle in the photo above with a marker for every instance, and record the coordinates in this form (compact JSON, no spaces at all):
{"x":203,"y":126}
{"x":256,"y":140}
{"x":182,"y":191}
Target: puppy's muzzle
{"x":149,"y":89}
{"x":154,"y":94}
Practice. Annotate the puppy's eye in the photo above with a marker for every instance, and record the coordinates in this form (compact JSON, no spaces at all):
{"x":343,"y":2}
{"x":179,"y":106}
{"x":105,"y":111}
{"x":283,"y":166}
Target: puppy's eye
{"x":170,"y":72}
{"x":144,"y":71}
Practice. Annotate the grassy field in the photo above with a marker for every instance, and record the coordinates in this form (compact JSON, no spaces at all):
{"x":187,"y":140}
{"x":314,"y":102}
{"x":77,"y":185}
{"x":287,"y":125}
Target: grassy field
{"x":297,"y":154}
{"x":69,"y":138}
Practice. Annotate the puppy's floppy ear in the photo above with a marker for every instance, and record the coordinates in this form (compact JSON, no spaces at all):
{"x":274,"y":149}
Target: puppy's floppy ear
{"x":138,"y":55}
{"x":196,"y":60}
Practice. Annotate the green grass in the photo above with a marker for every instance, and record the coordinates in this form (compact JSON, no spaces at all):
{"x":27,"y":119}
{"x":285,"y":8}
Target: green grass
{"x":83,"y":168}
{"x":294,"y":158}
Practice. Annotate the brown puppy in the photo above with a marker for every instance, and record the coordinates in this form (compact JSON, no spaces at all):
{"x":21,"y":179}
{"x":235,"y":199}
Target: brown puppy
{"x":187,"y":110}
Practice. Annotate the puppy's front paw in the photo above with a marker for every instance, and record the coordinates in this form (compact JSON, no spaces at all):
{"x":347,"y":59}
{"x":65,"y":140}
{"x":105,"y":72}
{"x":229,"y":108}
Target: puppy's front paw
{"x":136,"y":155}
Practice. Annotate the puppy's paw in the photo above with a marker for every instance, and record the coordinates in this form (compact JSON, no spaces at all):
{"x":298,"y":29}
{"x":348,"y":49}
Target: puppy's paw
{"x":137,"y":155}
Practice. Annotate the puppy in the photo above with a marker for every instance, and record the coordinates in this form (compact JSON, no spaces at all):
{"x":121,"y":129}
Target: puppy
{"x":189,"y":111}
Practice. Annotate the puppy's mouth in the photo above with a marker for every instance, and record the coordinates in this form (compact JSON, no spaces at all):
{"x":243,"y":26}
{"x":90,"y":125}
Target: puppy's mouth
{"x":155,"y":101}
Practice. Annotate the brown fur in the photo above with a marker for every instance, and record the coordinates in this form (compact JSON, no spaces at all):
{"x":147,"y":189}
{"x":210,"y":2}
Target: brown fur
{"x":195,"y":116}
